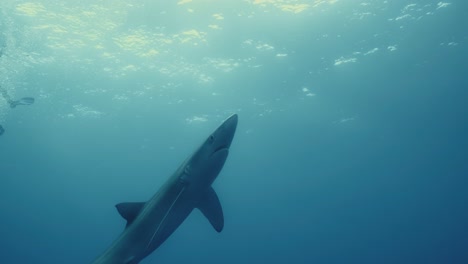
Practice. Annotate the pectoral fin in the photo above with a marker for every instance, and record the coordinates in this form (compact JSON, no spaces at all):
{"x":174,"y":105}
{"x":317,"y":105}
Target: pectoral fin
{"x":211,"y":208}
{"x":129,"y":211}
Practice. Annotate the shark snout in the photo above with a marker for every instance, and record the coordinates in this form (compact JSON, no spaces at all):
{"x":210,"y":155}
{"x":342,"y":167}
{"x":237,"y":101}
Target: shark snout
{"x":222,"y":137}
{"x":232,"y":121}
{"x":229,"y":129}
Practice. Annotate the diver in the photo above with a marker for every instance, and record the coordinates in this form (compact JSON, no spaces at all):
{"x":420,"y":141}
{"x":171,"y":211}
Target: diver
{"x":14,"y":103}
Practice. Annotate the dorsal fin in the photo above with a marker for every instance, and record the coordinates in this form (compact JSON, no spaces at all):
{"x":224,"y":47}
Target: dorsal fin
{"x":211,"y":208}
{"x":129,"y":211}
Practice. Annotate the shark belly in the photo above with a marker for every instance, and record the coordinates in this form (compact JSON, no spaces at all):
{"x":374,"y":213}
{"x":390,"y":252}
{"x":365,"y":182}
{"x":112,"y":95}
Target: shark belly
{"x":170,"y":221}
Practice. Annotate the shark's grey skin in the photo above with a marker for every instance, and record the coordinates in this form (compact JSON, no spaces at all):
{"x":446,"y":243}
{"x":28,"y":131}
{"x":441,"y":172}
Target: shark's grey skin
{"x":150,"y":223}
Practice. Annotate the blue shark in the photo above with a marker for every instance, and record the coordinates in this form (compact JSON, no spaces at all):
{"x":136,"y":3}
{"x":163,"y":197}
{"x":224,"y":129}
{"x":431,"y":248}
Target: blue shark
{"x":150,"y":223}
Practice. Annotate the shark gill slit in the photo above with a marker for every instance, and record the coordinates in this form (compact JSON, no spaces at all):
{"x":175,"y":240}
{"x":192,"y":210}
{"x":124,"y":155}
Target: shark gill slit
{"x":164,"y":218}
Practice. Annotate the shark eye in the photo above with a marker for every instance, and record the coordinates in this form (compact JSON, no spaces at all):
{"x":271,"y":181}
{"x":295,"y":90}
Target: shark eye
{"x":211,"y":139}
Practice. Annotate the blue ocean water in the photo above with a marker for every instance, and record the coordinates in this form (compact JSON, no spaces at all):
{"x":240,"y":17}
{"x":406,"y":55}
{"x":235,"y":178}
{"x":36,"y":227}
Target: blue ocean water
{"x":352,"y":137}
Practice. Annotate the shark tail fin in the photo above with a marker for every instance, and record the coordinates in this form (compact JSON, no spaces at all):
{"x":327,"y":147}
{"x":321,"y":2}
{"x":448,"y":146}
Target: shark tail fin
{"x":211,"y":208}
{"x":129,"y":211}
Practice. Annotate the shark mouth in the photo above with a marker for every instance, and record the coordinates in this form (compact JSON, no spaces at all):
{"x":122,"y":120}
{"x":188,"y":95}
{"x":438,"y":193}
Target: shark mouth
{"x":220,"y":148}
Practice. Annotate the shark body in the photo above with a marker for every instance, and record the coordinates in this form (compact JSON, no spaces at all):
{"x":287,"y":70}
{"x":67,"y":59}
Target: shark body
{"x":150,"y":223}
